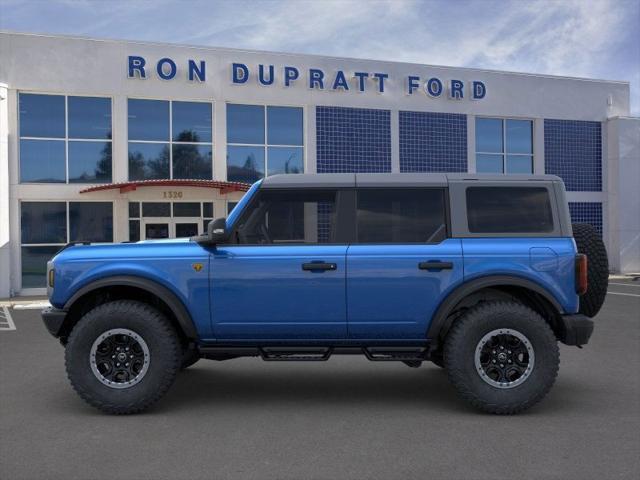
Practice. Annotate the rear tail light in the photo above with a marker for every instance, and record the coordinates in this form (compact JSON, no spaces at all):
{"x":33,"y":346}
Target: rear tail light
{"x":582,"y":281}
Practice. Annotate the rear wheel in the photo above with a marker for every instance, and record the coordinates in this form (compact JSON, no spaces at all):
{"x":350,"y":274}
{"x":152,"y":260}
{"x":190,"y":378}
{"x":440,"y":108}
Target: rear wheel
{"x":589,"y":242}
{"x":122,"y":356}
{"x":502,"y":357}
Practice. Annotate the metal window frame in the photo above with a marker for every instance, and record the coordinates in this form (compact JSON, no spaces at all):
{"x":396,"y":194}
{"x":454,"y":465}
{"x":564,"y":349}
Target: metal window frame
{"x":265,"y":146}
{"x":170,"y":140}
{"x":66,"y":139}
{"x":504,"y":152}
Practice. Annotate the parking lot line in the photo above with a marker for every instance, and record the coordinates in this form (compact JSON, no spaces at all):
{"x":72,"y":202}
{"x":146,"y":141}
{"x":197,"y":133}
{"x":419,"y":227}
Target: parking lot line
{"x":625,"y":294}
{"x":625,"y":284}
{"x":6,"y":322}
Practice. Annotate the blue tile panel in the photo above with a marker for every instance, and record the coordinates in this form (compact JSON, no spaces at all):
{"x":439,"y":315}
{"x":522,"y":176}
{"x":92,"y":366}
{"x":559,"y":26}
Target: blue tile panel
{"x":587,"y":212}
{"x":353,"y":140}
{"x":433,"y":142}
{"x":573,"y":151}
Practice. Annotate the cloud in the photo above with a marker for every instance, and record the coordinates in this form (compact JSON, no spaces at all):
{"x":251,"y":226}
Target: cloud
{"x":596,"y":38}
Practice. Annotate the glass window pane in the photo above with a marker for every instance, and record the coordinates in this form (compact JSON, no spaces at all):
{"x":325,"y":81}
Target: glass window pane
{"x":302,"y":216}
{"x":205,"y":226}
{"x":519,"y":164}
{"x":207,"y":209}
{"x":91,"y":221}
{"x":42,"y":161}
{"x":186,"y":230}
{"x":34,"y":265}
{"x":156,"y":230}
{"x":488,"y":163}
{"x":134,"y":230}
{"x":191,"y":122}
{"x":231,"y":206}
{"x":401,"y":216}
{"x":148,"y":161}
{"x":245,"y":124}
{"x":284,"y":126}
{"x":43,"y":222}
{"x":89,"y":117}
{"x":489,"y":135}
{"x":192,"y":161}
{"x":148,"y":120}
{"x":186,"y":209}
{"x":245,"y":164}
{"x":156,"y":209}
{"x":519,"y":136}
{"x":285,"y":160}
{"x":509,"y":210}
{"x":41,"y":115}
{"x":89,"y":162}
{"x":134,"y":210}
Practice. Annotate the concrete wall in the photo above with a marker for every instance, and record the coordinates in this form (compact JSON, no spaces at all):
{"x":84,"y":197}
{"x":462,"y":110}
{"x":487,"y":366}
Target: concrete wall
{"x":5,"y":245}
{"x":623,"y":157}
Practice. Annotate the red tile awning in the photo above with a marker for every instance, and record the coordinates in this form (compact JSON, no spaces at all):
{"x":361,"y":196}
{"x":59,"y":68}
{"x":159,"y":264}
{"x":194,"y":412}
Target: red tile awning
{"x":224,"y":187}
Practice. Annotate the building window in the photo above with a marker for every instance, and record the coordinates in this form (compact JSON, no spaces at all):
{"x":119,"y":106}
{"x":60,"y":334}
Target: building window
{"x":263,"y":141}
{"x":149,"y":220}
{"x":47,"y":226}
{"x":170,"y":139}
{"x":65,"y":139}
{"x":504,"y":145}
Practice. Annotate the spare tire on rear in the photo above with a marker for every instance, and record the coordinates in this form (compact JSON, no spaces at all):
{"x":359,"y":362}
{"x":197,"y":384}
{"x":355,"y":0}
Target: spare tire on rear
{"x":590,"y":243}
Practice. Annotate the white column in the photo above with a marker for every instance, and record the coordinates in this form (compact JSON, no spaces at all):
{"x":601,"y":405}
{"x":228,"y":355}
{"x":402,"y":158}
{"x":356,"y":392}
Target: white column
{"x":471,"y":143}
{"x":395,"y":141}
{"x":220,"y":141}
{"x":538,"y":146}
{"x":5,"y":243}
{"x":623,"y":201}
{"x":120,"y":155}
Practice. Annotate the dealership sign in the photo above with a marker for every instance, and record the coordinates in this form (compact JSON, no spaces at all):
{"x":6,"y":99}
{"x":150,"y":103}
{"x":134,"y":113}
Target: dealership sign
{"x":313,"y":78}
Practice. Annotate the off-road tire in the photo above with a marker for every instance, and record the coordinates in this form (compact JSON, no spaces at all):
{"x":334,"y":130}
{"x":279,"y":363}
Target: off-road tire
{"x":463,"y":339}
{"x":590,"y":243}
{"x":165,"y":356}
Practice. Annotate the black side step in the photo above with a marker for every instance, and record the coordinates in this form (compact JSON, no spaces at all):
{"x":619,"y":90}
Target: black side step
{"x":295,"y":354}
{"x":395,"y":354}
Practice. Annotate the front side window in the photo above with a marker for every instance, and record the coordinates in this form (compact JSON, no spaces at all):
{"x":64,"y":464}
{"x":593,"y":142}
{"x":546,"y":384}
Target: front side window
{"x":401,"y":215}
{"x":47,"y":226}
{"x":504,"y":145}
{"x":263,"y":141}
{"x":65,"y":139}
{"x":170,"y":140}
{"x":289,"y":217}
{"x":509,"y":210}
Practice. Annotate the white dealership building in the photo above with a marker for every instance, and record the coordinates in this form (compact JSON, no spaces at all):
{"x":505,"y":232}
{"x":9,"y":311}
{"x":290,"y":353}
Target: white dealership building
{"x":112,"y":141}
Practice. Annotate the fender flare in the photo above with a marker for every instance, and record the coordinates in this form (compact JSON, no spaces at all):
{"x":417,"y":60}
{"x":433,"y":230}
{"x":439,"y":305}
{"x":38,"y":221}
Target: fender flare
{"x":441,"y":323}
{"x":176,"y":306}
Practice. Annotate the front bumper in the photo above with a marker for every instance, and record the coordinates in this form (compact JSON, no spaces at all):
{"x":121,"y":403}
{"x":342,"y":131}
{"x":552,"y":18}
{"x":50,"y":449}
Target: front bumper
{"x":53,"y":319}
{"x":577,"y":329}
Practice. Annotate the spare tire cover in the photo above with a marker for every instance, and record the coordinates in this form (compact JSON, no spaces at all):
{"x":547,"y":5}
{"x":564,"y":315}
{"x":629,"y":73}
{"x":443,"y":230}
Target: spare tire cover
{"x":589,"y":242}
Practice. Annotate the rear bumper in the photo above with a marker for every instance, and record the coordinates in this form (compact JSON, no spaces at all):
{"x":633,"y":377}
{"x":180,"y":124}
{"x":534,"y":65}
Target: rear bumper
{"x":577,"y":329}
{"x":53,"y":319}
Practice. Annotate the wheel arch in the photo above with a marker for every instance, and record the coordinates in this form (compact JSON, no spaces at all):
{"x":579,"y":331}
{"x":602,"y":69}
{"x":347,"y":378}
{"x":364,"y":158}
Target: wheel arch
{"x":134,"y":288}
{"x":527,"y":291}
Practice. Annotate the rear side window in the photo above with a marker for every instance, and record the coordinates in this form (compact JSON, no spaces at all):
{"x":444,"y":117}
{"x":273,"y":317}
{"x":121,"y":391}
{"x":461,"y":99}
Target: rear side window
{"x":509,"y":210}
{"x":394,"y":215}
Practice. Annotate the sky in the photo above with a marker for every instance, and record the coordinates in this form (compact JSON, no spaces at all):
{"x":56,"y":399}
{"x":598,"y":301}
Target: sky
{"x":578,"y":38}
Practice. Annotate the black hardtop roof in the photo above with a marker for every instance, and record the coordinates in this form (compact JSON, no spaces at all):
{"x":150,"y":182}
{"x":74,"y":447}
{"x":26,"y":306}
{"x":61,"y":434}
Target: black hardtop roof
{"x":320,"y":180}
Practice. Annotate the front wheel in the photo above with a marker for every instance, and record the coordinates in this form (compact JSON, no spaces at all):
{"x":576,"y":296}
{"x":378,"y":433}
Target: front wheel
{"x":502,"y":357}
{"x":122,"y":356}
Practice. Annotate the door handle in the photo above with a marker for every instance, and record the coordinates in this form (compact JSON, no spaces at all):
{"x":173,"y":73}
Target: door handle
{"x":432,"y":265}
{"x":318,"y":266}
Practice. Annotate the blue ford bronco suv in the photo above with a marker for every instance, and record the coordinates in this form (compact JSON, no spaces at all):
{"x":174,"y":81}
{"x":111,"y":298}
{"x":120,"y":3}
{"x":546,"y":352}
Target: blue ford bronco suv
{"x":480,"y":275}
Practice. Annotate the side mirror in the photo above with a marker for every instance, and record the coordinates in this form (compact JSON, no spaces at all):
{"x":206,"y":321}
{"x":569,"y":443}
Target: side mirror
{"x":217,"y":231}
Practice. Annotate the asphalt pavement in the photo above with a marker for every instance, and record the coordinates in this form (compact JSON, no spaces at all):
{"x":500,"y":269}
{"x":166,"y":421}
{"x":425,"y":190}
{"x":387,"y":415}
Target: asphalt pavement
{"x":341,"y":419}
